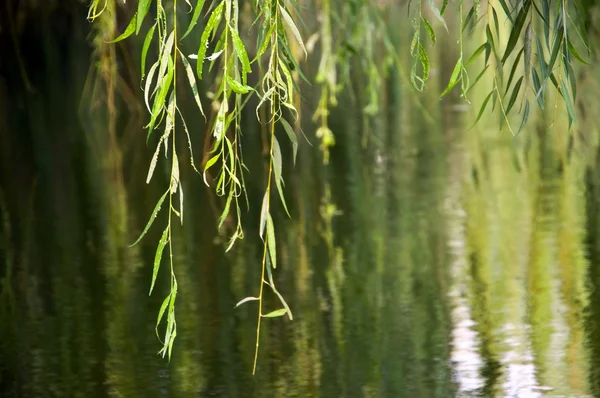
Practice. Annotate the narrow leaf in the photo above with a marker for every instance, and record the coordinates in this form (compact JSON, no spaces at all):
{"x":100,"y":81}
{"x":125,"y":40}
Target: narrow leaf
{"x":128,"y":30}
{"x":429,"y":29}
{"x":515,"y":33}
{"x":290,"y":23}
{"x":192,"y":81}
{"x":195,"y":17}
{"x":143,"y":7}
{"x":525,"y":117}
{"x":276,"y":313}
{"x":436,"y":13}
{"x":477,"y":53}
{"x":513,"y":70}
{"x":271,"y":243}
{"x":146,"y":46}
{"x":152,"y":218}
{"x":264,"y":211}
{"x":245,"y":300}
{"x":454,"y":78}
{"x":158,"y":256}
{"x":292,"y":136}
{"x":237,"y":87}
{"x":514,"y":95}
{"x":482,"y":108}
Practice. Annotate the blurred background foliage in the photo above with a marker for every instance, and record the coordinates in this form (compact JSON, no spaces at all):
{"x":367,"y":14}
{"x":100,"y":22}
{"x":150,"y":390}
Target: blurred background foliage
{"x":422,"y":258}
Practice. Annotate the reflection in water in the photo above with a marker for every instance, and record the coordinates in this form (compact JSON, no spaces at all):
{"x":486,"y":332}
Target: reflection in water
{"x":427,"y":263}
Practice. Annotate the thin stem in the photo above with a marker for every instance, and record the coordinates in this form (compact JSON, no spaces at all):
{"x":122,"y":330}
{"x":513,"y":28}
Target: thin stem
{"x":264,"y":259}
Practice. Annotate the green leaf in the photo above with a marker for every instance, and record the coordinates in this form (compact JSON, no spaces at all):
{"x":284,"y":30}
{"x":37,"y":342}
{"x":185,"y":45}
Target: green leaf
{"x":429,"y":29}
{"x":278,"y":176}
{"x":264,"y":211}
{"x":271,"y":242}
{"x":476,"y":54}
{"x":209,"y":164}
{"x":159,"y":100}
{"x":496,"y":23}
{"x":237,"y":87}
{"x":515,"y":33}
{"x":292,"y":136}
{"x":527,"y":52}
{"x":436,"y":13}
{"x":539,"y":95}
{"x":161,"y":312}
{"x":241,"y":53}
{"x":574,"y":52}
{"x":143,"y":7}
{"x":195,"y":17}
{"x":128,"y":30}
{"x":276,"y":313}
{"x":468,"y":18}
{"x":245,"y":300}
{"x":274,"y":289}
{"x":568,"y":102}
{"x":513,"y":70}
{"x":290,"y":23}
{"x":506,"y":10}
{"x":146,"y":46}
{"x":158,"y":256}
{"x":454,"y":78}
{"x":444,"y":5}
{"x":424,"y":58}
{"x":555,"y":51}
{"x":482,"y":108}
{"x":149,"y":80}
{"x":211,"y":25}
{"x":546,"y":20}
{"x":525,"y":117}
{"x":152,"y":218}
{"x":514,"y":95}
{"x":265,"y":43}
{"x":192,"y":81}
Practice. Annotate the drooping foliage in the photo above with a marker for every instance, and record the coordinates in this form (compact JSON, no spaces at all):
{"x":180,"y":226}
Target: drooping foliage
{"x":528,"y":46}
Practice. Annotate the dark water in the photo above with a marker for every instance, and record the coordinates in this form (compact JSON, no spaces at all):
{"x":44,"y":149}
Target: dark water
{"x":424,"y":261}
{"x":444,"y":277}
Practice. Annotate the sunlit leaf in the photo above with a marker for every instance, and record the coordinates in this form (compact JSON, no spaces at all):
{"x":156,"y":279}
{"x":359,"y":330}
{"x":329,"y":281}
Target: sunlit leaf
{"x":276,"y":313}
{"x":209,"y":164}
{"x":211,"y":26}
{"x":454,"y":78}
{"x":158,"y":256}
{"x":278,"y":176}
{"x":195,"y":17}
{"x":292,"y":136}
{"x":515,"y":33}
{"x":476,"y":54}
{"x":290,"y":24}
{"x":128,"y":30}
{"x":245,"y":300}
{"x":429,"y":29}
{"x":143,"y":7}
{"x":192,"y":81}
{"x":237,"y":87}
{"x":436,"y":13}
{"x":264,"y":211}
{"x":271,"y":243}
{"x":152,"y":218}
{"x":146,"y":46}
